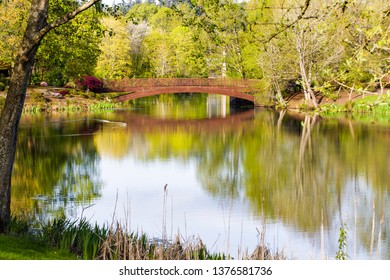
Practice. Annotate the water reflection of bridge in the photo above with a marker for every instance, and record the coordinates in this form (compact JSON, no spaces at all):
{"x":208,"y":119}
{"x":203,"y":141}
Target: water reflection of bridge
{"x":144,"y":123}
{"x":138,"y":88}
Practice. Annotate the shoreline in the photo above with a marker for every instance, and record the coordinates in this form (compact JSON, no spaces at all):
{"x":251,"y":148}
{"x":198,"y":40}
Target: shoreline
{"x":79,"y":101}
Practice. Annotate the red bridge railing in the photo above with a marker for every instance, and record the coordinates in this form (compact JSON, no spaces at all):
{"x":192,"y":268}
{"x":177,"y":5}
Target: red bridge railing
{"x":124,"y":84}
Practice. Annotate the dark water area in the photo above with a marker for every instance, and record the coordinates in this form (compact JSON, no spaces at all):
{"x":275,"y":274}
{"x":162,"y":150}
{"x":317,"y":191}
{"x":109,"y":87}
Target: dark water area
{"x":231,"y":176}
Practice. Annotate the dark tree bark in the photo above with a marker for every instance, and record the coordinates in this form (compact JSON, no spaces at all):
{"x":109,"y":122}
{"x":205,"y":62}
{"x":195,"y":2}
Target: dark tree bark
{"x":37,"y":28}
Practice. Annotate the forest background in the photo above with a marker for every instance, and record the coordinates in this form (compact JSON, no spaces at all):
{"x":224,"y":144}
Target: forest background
{"x":317,"y":47}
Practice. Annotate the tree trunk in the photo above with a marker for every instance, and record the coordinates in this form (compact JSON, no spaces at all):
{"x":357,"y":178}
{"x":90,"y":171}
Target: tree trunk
{"x":37,"y":28}
{"x":8,"y":133}
{"x":304,"y":67}
{"x":13,"y":106}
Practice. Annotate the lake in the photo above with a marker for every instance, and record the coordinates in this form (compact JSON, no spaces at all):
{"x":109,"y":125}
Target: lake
{"x":188,"y":164}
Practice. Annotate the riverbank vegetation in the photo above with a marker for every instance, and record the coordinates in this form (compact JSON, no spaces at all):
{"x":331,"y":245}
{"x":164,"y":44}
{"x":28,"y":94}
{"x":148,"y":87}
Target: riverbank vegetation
{"x":65,"y":239}
{"x":316,"y":50}
{"x":53,"y":99}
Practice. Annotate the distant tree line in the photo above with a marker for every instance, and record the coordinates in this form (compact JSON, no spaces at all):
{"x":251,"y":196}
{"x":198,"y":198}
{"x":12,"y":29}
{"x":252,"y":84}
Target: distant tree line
{"x":311,"y":46}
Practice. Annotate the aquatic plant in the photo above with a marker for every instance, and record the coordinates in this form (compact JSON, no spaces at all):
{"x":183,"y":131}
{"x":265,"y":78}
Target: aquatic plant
{"x":37,"y":97}
{"x":102,"y":106}
{"x":341,"y":254}
{"x":77,"y":236}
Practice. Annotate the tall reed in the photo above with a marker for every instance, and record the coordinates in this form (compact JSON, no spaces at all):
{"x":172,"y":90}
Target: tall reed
{"x":120,"y":245}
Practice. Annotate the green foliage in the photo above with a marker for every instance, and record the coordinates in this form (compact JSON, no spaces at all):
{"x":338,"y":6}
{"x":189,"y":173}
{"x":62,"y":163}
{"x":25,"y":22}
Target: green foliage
{"x":67,"y":236}
{"x":141,"y":12}
{"x":37,"y":97}
{"x":370,"y":105}
{"x":114,"y":61}
{"x":342,"y":242}
{"x":2,"y":86}
{"x":71,"y":50}
{"x":348,"y":106}
{"x":3,"y":80}
{"x":102,"y":106}
{"x":78,"y":237}
{"x":19,"y":226}
{"x":22,"y":243}
{"x":13,"y":16}
{"x":368,"y":43}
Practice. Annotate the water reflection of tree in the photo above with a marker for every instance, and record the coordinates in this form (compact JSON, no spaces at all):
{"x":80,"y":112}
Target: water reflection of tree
{"x":291,"y":168}
{"x":215,"y":144}
{"x":364,"y":154}
{"x":174,"y":106}
{"x":52,"y":171}
{"x":304,"y":179}
{"x":305,"y":143}
{"x":220,"y":168}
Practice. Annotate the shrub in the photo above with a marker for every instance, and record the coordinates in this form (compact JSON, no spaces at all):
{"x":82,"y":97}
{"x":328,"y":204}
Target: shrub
{"x":70,"y":85}
{"x":90,"y":83}
{"x":92,"y":94}
{"x":84,"y":95}
{"x":64,"y":92}
{"x":3,"y":80}
{"x":2,"y":86}
{"x":37,"y":97}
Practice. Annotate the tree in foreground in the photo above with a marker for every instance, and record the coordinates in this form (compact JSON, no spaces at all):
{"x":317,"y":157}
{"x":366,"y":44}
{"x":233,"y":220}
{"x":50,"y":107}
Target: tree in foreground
{"x":36,"y":30}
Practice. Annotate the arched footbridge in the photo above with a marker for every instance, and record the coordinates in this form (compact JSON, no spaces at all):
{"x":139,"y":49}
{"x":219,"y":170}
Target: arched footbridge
{"x":138,"y":88}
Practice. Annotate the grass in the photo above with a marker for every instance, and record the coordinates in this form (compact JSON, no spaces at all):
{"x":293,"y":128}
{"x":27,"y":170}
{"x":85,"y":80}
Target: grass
{"x":29,"y":248}
{"x":102,"y":105}
{"x":22,"y":243}
{"x":369,"y":109}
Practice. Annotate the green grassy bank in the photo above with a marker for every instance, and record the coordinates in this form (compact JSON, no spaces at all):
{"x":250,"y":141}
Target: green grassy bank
{"x":30,"y":248}
{"x":63,"y":239}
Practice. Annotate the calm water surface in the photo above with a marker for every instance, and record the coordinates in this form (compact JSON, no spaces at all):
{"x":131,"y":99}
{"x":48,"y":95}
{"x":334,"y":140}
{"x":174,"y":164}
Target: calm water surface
{"x":230,"y":176}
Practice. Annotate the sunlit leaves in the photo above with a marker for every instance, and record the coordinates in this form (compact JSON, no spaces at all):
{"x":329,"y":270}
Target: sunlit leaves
{"x":13,"y":15}
{"x":114,"y":61}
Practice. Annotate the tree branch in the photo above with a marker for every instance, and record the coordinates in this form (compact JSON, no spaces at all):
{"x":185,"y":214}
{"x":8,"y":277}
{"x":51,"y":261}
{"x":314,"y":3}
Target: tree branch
{"x":66,"y":18}
{"x":304,"y":9}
